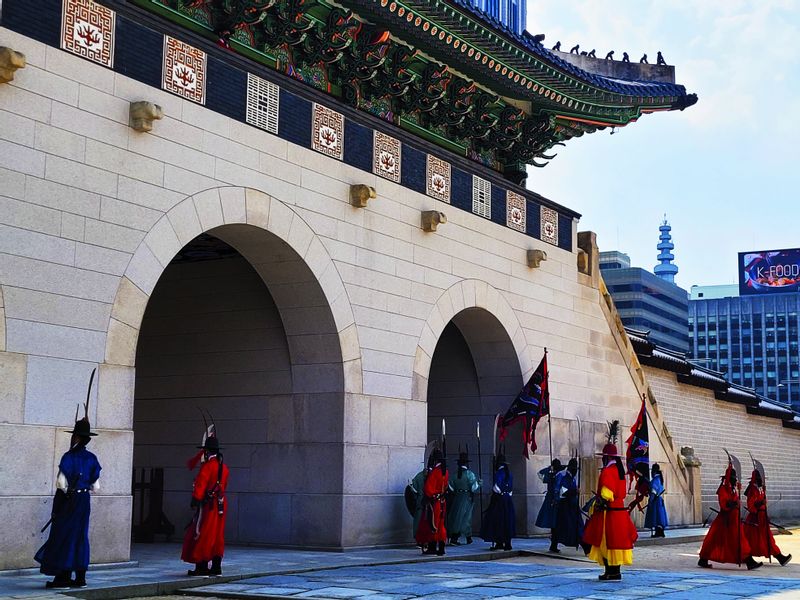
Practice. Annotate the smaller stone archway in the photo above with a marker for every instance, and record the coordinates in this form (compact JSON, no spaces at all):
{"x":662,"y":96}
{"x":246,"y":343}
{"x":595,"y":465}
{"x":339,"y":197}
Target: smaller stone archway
{"x":475,"y":369}
{"x":279,"y":391}
{"x":469,"y":293}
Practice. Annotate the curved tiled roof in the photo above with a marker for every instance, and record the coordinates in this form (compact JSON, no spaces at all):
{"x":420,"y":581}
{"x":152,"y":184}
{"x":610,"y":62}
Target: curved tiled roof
{"x":692,"y":374}
{"x":618,"y":86}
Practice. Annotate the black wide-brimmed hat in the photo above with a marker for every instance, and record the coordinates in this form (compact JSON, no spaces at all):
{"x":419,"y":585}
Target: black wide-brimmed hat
{"x":211,"y":443}
{"x":82,"y":428}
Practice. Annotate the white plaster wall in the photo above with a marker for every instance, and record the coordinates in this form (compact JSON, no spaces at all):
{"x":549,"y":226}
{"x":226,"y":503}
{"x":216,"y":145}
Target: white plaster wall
{"x":698,"y":420}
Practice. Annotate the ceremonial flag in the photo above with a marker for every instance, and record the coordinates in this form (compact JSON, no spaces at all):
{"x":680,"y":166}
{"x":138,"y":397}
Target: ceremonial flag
{"x":638,"y":443}
{"x":530,"y":405}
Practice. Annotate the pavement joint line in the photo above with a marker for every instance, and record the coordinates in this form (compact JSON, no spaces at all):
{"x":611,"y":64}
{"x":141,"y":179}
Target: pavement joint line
{"x":167,"y":587}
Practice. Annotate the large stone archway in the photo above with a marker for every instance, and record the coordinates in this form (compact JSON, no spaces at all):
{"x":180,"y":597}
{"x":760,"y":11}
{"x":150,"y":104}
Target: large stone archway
{"x":302,"y":409}
{"x":471,"y":362}
{"x":201,"y":213}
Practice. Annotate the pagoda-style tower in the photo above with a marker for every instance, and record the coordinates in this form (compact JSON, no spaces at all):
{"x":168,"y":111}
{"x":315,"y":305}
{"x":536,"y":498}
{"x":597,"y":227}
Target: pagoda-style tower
{"x":666,"y":270}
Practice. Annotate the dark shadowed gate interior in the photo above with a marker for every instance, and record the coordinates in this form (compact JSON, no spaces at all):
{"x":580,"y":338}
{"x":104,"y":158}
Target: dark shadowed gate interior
{"x":474,"y":375}
{"x":238,"y":326}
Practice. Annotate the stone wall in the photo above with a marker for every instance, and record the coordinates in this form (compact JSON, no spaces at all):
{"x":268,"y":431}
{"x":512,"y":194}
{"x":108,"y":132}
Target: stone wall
{"x":697,"y":419}
{"x":92,"y":213}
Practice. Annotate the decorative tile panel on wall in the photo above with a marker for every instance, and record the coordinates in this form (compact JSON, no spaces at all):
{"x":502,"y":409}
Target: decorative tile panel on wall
{"x":481,"y":197}
{"x":263,"y":103}
{"x":147,"y":53}
{"x":549,"y":225}
{"x":437,"y":178}
{"x":185,"y":70}
{"x":386,"y":157}
{"x":327,"y":131}
{"x":87,"y":29}
{"x":515,"y":211}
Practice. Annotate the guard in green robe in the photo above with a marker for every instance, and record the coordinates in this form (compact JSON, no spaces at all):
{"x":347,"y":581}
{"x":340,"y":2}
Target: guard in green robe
{"x":463,"y":488}
{"x":415,"y":489}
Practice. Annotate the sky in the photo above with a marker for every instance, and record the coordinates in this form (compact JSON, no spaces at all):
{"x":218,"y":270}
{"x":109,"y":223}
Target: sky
{"x":725,"y":171}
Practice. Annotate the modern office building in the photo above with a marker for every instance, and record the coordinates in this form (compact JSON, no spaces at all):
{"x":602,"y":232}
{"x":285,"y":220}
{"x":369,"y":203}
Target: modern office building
{"x":647,"y":301}
{"x":510,"y":13}
{"x":752,"y":338}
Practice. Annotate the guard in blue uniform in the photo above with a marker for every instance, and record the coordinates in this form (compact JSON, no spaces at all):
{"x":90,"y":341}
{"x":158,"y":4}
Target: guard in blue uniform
{"x":546,"y":519}
{"x":67,"y":547}
{"x":499,"y":520}
{"x":656,"y":517}
{"x":568,"y":528}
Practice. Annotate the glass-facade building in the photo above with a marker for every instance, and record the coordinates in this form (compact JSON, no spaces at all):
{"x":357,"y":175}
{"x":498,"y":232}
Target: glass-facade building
{"x":752,"y":339}
{"x":510,"y":13}
{"x":647,"y":302}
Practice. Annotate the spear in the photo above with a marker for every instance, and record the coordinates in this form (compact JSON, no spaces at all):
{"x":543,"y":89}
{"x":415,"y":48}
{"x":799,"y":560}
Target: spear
{"x":480,"y":466}
{"x":444,"y":445}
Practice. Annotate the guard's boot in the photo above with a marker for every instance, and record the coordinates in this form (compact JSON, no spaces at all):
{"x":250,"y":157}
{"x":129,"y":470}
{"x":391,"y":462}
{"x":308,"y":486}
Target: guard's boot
{"x":752,"y":564}
{"x":703,"y":562}
{"x":496,"y":546}
{"x":430,"y":548}
{"x":454,"y":541}
{"x":660,"y":532}
{"x":469,"y":540}
{"x":507,"y":545}
{"x":60,"y":581}
{"x":440,"y":550}
{"x":554,"y":548}
{"x":200,"y":570}
{"x":586,"y":548}
{"x":216,"y":565}
{"x":783,"y":559}
{"x":80,"y":580}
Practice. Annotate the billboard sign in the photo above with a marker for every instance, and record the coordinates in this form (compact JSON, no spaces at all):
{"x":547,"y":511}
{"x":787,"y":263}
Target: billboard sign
{"x":769,"y":272}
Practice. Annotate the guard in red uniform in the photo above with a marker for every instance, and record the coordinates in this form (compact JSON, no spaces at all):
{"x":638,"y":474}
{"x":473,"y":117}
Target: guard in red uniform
{"x":756,"y":525}
{"x":432,"y":533}
{"x":726,"y":541}
{"x":204,"y":541}
{"x":610,"y":531}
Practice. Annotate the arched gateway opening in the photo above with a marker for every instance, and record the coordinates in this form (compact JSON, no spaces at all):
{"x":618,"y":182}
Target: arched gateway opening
{"x":238,"y":325}
{"x":474,"y":374}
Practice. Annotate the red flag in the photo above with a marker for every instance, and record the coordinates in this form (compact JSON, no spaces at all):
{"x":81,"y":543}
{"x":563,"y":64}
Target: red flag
{"x":638,"y":443}
{"x":530,"y":405}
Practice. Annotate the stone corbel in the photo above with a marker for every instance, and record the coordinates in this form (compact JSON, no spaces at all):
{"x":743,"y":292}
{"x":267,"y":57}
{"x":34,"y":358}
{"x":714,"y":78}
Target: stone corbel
{"x":535,"y":258}
{"x":10,"y":61}
{"x":143,"y":113}
{"x":431,"y":219}
{"x":689,"y":459}
{"x":360,"y":194}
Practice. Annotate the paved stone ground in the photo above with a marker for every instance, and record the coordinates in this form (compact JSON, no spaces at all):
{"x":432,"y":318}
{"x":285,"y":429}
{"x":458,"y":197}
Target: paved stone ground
{"x":505,"y":580}
{"x":464,"y":573}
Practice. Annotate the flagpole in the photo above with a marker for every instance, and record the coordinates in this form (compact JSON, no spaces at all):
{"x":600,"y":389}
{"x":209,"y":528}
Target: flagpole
{"x":549,"y":412}
{"x":480,"y":467}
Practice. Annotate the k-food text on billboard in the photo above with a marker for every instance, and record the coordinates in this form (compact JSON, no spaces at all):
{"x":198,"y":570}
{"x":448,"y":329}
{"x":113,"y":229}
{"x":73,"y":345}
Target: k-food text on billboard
{"x":769,"y":271}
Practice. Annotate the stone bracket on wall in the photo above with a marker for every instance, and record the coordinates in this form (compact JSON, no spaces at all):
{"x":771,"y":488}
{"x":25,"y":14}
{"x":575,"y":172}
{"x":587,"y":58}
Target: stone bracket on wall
{"x":360,"y":194}
{"x":431,"y":219}
{"x":142,"y":115}
{"x":10,"y":61}
{"x":535,"y":258}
